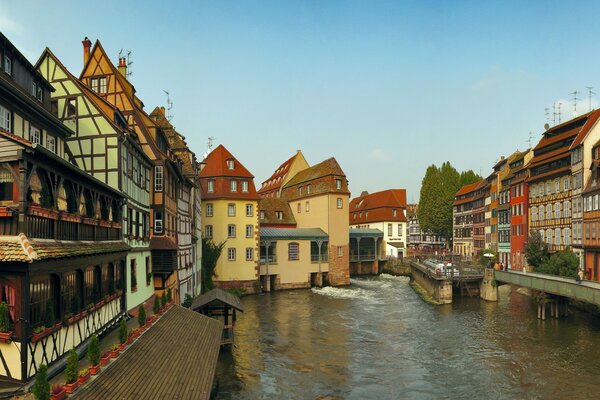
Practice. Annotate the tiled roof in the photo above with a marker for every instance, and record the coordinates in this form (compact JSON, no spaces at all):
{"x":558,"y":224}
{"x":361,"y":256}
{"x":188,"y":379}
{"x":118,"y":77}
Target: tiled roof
{"x":269,"y":205}
{"x":380,"y":206}
{"x":217,"y":295}
{"x":549,"y":174}
{"x":293,"y":233}
{"x":175,"y":359}
{"x":20,"y":248}
{"x":468,"y":188}
{"x":591,"y":119}
{"x":276,"y":180}
{"x":324,"y":168}
{"x":162,"y":243}
{"x":216,"y":165}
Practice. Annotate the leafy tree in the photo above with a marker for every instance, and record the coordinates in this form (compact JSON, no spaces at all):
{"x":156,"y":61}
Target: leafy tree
{"x":41,"y":387}
{"x":564,"y":263}
{"x":468,"y":177}
{"x":71,"y":372}
{"x":536,"y":250}
{"x":93,"y":352}
{"x":141,"y":315}
{"x":210,"y":255}
{"x":123,"y":331}
{"x":187,"y":302}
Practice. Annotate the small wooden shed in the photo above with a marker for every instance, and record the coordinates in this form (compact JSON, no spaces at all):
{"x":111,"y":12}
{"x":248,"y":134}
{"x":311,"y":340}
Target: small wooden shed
{"x":218,"y":304}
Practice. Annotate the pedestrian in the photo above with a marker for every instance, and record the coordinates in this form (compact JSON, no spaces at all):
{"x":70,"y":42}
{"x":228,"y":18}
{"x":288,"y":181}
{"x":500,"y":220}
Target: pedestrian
{"x":579,"y":275}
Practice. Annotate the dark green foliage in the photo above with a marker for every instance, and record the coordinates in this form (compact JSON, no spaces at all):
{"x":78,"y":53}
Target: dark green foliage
{"x":93,"y":353}
{"x":210,"y":255}
{"x":239,"y":292}
{"x":163,"y":299}
{"x":169,"y":296}
{"x":156,"y":306}
{"x":46,"y":196}
{"x":485,"y":261}
{"x":564,"y":263}
{"x":41,"y":386}
{"x":468,"y":177}
{"x":536,"y":250}
{"x":49,"y":316}
{"x":141,"y":315}
{"x":123,"y":331}
{"x":72,"y":370}
{"x":4,"y":318}
{"x":187,"y":302}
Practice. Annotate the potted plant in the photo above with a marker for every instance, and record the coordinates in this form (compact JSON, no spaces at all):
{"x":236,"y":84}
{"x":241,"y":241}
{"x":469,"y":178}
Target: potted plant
{"x":58,"y":392}
{"x":5,"y":331}
{"x":169,"y":297}
{"x":163,"y":302}
{"x":90,"y":307}
{"x":135,"y":333}
{"x":67,"y":317}
{"x":38,"y":333}
{"x":141,"y":316}
{"x":84,"y":376}
{"x":93,"y":354}
{"x":114,"y":351}
{"x":71,"y":372}
{"x":49,"y":315}
{"x":123,"y":333}
{"x":156,"y":306}
{"x":104,"y":359}
{"x":41,"y":387}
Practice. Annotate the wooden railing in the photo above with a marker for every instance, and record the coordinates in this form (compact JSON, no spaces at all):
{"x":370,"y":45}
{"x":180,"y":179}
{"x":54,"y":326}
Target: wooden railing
{"x":49,"y":228}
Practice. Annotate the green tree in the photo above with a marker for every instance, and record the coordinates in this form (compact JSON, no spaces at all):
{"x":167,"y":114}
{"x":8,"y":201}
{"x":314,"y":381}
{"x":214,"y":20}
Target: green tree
{"x":210,"y":255}
{"x":484,"y":261}
{"x":141,"y":315}
{"x":564,"y":263}
{"x":187,"y":302}
{"x":123,"y":333}
{"x":71,"y":371}
{"x":4,"y":318}
{"x":93,"y":352}
{"x":156,"y":306}
{"x":41,"y":387}
{"x":536,"y":250}
{"x":468,"y":177}
{"x":163,"y":299}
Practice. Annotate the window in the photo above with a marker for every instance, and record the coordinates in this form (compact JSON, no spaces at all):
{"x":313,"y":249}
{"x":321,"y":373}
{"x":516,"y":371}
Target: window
{"x":5,"y":119}
{"x":230,"y":164}
{"x":567,"y":235}
{"x":566,"y":209}
{"x":231,"y":210}
{"x":300,"y":190}
{"x":279,"y":214}
{"x":41,"y":291}
{"x":231,"y":231}
{"x":293,"y":252}
{"x":299,"y":208}
{"x":245,"y":186}
{"x":71,"y":107}
{"x":148,"y":272}
{"x":533,"y":214}
{"x":340,"y":251}
{"x":92,"y":285}
{"x":249,"y":231}
{"x":7,"y":64}
{"x":102,"y":85}
{"x":231,"y":254}
{"x":390,"y":228}
{"x":210,"y":186}
{"x":70,"y":293}
{"x":233,"y":185}
{"x":158,"y":178}
{"x":307,"y":206}
{"x":158,"y":222}
{"x":399,"y":229}
{"x":567,"y":183}
{"x":308,"y":187}
{"x":557,"y":213}
{"x":94,"y":84}
{"x":209,"y":209}
{"x":51,"y":143}
{"x":208,"y":231}
{"x":394,"y":212}
{"x":262,"y":215}
{"x":249,"y":210}
{"x":249,"y":254}
{"x":340,"y":203}
{"x":34,"y":134}
{"x":557,"y":186}
{"x":557,"y":236}
{"x":549,"y":236}
{"x":549,"y":211}
{"x":338,"y":184}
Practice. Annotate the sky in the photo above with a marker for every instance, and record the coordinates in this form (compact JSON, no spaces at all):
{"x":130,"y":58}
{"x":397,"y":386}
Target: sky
{"x":385,"y":87}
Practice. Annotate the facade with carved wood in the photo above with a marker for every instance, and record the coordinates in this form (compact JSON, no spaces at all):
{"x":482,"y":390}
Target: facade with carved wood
{"x":61,"y":251}
{"x":105,"y":146}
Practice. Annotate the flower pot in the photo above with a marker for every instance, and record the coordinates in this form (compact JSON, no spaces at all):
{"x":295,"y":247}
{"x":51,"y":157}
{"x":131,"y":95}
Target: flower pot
{"x":114,"y":353}
{"x":130,"y":340}
{"x":135,"y":334}
{"x":5,"y":336}
{"x":71,"y":387}
{"x":95,"y":369}
{"x":121,"y":347}
{"x":83,"y":378}
{"x":69,"y":217}
{"x":104,"y":360}
{"x":38,"y":336}
{"x":59,"y":395}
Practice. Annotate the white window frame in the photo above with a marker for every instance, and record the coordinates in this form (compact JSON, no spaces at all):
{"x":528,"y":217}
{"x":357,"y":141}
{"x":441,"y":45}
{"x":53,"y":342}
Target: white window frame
{"x":231,"y":231}
{"x":5,"y":119}
{"x":231,"y":210}
{"x":338,"y":184}
{"x":209,"y":209}
{"x":158,"y":222}
{"x":231,"y":253}
{"x":35,"y":135}
{"x":249,"y":254}
{"x":244,"y":186}
{"x":210,"y":186}
{"x":340,"y":203}
{"x":233,"y":185}
{"x":249,"y":231}
{"x":158,"y":178}
{"x":249,"y":210}
{"x":51,"y":142}
{"x":208,"y":231}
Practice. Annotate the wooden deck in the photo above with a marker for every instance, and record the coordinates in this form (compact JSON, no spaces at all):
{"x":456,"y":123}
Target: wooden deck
{"x":175,"y":359}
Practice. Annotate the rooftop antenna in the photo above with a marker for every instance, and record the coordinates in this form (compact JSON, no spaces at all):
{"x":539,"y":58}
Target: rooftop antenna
{"x":211,"y":139}
{"x":554,"y":114}
{"x":129,"y":62}
{"x":590,"y":93}
{"x":574,"y":102}
{"x":547,"y":114}
{"x":531,"y":138}
{"x":559,"y":112}
{"x":169,"y":106}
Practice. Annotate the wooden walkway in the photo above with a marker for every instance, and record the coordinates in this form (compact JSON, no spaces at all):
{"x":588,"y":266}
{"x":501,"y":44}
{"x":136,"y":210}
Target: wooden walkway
{"x":175,"y":359}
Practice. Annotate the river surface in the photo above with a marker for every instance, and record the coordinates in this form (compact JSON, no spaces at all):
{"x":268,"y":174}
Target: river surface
{"x":378,"y":340}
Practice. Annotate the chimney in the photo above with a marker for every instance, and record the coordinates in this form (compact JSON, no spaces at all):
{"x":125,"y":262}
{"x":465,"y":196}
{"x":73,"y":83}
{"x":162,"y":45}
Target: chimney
{"x":123,"y":66}
{"x":163,"y":110}
{"x":87,"y":44}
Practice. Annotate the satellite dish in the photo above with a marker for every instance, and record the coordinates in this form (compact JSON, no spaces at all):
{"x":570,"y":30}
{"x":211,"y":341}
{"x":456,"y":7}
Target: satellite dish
{"x":546,"y":126}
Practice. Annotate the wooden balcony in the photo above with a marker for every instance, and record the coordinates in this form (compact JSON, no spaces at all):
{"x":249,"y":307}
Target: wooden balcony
{"x":50,"y":224}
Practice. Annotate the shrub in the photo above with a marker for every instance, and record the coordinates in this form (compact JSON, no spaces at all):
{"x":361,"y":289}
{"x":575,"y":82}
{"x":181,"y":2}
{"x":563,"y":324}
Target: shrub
{"x":72,"y":367}
{"x":41,"y":387}
{"x":156,"y":306}
{"x":94,"y":350}
{"x":49,"y":316}
{"x":163,"y":299}
{"x":564,"y":263}
{"x":187,"y":302}
{"x":141,"y":315}
{"x":4,"y":318}
{"x":169,"y":298}
{"x":123,"y":332}
{"x":84,"y":372}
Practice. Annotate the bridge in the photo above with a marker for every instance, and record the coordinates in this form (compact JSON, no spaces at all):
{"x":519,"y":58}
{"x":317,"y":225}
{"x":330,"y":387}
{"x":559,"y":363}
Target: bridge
{"x":554,"y":290}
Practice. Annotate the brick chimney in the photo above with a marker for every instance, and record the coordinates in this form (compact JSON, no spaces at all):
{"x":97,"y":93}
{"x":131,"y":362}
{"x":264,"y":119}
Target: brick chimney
{"x":123,"y":66}
{"x":87,"y":45}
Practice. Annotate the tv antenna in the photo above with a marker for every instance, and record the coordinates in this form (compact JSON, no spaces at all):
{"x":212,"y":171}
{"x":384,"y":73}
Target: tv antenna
{"x":575,"y":102}
{"x":547,"y":114}
{"x":169,"y":106}
{"x":530,"y":138}
{"x":559,"y":112}
{"x":129,"y":62}
{"x":554,"y":114}
{"x":590,"y":93}
{"x":211,"y":139}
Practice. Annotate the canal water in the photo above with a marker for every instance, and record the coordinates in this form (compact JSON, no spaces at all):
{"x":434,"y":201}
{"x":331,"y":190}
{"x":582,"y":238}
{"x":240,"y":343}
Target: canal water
{"x":378,"y":340}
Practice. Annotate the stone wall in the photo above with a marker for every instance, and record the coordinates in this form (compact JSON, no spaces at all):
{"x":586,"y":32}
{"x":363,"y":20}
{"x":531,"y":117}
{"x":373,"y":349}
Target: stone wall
{"x":339,"y":267}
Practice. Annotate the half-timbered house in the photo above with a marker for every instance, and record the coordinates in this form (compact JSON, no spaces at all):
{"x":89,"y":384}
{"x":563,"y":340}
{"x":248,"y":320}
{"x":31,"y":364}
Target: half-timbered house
{"x":61,"y":251}
{"x":104,"y":146}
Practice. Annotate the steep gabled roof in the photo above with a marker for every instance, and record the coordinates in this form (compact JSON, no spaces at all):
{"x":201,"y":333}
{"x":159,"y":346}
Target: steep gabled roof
{"x":216,"y":165}
{"x":393,"y":198}
{"x":275,"y":181}
{"x":324,"y":168}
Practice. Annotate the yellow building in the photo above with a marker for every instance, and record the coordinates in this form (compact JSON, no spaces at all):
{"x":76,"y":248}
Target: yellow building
{"x":230,"y":208}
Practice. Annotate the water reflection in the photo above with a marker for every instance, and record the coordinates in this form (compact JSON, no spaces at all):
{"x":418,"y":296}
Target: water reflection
{"x":378,"y":340}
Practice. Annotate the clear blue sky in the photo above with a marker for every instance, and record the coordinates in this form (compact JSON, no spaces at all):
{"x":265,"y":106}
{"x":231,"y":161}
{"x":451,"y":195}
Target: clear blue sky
{"x":386,"y":87}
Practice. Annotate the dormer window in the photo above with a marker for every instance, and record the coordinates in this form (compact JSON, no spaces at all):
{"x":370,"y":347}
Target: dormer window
{"x":308,"y":187}
{"x":394,"y":212}
{"x":299,"y":190}
{"x":338,"y":184}
{"x":51,"y":143}
{"x":71,"y":107}
{"x":211,"y":186}
{"x":230,"y":164}
{"x":233,"y":185}
{"x":8,"y":64}
{"x":279,"y":215}
{"x":245,"y":186}
{"x":5,"y":119}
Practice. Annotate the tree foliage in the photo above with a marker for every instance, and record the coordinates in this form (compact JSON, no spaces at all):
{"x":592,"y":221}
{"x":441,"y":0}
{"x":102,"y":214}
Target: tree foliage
{"x":72,"y":370}
{"x":484,"y":261}
{"x":564,"y":263}
{"x":210,"y":255}
{"x":536,"y":250}
{"x":41,"y":387}
{"x":438,"y":188}
{"x":93,"y":352}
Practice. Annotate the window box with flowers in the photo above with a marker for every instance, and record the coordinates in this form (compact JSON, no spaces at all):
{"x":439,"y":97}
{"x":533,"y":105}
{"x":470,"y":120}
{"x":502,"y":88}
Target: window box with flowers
{"x":59,"y":392}
{"x":90,"y":221}
{"x":69,"y":217}
{"x":6,"y":212}
{"x":84,"y":376}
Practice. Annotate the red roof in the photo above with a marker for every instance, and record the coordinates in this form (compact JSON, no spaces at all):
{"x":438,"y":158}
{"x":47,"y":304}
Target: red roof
{"x":380,"y":206}
{"x":589,"y":123}
{"x":275,"y":181}
{"x":468,"y":188}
